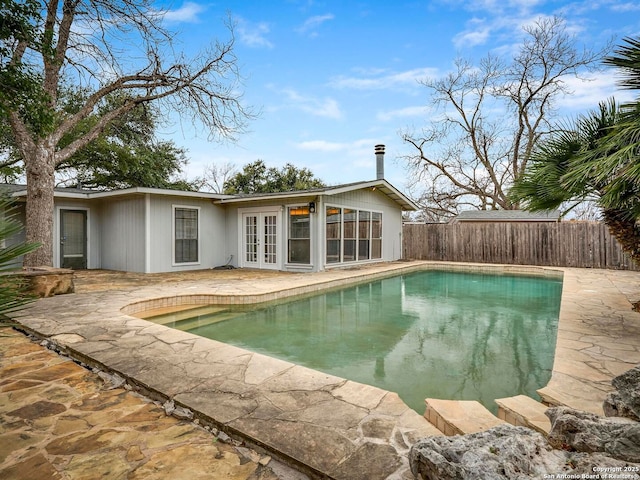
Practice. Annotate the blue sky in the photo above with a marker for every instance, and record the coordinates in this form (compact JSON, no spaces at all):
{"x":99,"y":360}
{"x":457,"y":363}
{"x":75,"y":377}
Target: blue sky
{"x":333,"y":78}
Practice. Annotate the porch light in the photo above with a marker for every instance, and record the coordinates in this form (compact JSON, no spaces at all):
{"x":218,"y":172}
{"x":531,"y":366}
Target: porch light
{"x":296,"y":211}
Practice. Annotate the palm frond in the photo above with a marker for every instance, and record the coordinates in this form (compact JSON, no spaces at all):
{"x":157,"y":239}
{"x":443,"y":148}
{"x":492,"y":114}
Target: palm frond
{"x":12,"y":287}
{"x":627,"y":59}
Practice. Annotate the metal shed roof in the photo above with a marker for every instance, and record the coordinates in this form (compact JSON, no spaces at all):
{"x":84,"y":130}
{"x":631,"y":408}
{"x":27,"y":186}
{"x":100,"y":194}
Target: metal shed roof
{"x":507,"y":216}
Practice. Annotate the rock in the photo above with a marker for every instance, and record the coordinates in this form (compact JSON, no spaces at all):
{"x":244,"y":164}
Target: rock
{"x":182,"y":413}
{"x":111,"y":381}
{"x":586,"y":432}
{"x":625,"y":402}
{"x":503,"y":452}
{"x":169,"y":407}
{"x":46,"y":281}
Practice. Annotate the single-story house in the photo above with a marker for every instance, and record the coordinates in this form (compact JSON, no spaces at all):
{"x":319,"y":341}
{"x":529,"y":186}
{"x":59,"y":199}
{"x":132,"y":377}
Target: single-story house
{"x":506,"y":216}
{"x":153,"y":230}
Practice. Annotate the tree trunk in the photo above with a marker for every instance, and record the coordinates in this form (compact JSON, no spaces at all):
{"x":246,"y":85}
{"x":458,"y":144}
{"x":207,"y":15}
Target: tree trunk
{"x":39,"y":220}
{"x":626,"y":231}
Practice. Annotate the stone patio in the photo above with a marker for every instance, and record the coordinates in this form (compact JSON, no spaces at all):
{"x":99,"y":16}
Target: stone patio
{"x":58,"y":420}
{"x":325,"y":426}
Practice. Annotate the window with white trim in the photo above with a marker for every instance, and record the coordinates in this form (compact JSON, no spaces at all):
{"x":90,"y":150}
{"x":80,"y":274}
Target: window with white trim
{"x":352,"y":235}
{"x":333,"y":234}
{"x":376,"y":235}
{"x":364,"y":235}
{"x":349,"y":241}
{"x":186,"y":234}
{"x":299,"y":235}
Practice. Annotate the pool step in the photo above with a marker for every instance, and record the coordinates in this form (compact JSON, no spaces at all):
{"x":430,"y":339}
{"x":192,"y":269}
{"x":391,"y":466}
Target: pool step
{"x":524,"y":411}
{"x":180,"y":313}
{"x":204,"y":320}
{"x":575,"y":394}
{"x":457,"y":417}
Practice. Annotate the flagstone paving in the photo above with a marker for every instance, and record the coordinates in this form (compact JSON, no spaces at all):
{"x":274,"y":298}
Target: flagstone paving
{"x":323,"y":425}
{"x":58,"y":421}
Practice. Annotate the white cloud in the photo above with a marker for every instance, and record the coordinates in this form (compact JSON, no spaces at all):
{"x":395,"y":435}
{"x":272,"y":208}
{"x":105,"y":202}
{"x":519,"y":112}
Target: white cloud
{"x":406,"y":112}
{"x":325,"y":107}
{"x":503,"y":22}
{"x":312,"y":23}
{"x":587,"y":94}
{"x":381,"y":81}
{"x":253,"y":34}
{"x":626,"y":7}
{"x":187,"y":13}
{"x":358,"y":155}
{"x":472,"y":38}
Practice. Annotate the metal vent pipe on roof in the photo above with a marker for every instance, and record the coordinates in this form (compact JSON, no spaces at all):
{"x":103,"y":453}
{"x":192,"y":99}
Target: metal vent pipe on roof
{"x":379,"y":162}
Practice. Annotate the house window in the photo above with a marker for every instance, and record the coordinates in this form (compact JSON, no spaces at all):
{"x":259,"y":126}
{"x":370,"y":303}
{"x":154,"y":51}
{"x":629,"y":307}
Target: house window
{"x":364,"y":234}
{"x":352,"y":235}
{"x":350,"y":232}
{"x":186,"y":228}
{"x":299,"y":235}
{"x":376,"y":235}
{"x":334,"y":234}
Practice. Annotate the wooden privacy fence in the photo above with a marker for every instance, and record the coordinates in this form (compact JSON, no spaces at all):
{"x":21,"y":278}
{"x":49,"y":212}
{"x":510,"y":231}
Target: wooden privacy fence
{"x":564,"y":244}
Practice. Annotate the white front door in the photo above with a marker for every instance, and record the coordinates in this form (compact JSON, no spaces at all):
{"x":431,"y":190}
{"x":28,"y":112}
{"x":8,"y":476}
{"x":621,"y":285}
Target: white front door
{"x":260,"y":240}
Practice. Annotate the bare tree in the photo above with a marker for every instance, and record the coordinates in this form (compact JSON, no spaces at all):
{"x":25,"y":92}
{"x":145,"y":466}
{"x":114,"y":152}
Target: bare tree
{"x":215,"y":176}
{"x":110,"y":46}
{"x":488,"y":119}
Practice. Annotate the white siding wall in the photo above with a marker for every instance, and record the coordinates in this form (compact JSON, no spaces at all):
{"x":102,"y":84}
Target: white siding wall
{"x":231,"y":235}
{"x":123,"y":233}
{"x":212,"y":239}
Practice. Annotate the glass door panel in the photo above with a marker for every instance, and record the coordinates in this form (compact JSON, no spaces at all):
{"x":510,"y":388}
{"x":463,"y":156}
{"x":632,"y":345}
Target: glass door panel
{"x":270,"y":239}
{"x":73,"y":239}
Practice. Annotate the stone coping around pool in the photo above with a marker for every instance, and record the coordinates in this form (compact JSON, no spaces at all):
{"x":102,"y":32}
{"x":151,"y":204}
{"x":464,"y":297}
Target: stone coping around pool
{"x":325,"y":285}
{"x":326,"y":426}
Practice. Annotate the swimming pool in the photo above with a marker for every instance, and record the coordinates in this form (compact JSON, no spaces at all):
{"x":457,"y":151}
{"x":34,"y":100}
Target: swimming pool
{"x":465,"y":336}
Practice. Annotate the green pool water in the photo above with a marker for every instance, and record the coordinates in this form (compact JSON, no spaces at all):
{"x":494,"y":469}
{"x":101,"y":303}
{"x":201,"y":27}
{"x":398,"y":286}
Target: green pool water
{"x":437,"y":334}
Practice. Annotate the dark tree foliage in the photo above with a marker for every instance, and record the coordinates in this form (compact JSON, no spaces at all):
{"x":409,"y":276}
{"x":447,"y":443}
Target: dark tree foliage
{"x":256,"y":177}
{"x":126,"y":154}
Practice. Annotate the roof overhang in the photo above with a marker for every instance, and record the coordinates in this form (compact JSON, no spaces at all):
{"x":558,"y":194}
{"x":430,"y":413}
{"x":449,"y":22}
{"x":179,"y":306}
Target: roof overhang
{"x":86,"y":194}
{"x":381,"y":185}
{"x":506,"y":216}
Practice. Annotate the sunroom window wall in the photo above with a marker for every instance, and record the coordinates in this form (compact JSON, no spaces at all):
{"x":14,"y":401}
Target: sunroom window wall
{"x":352,"y":235}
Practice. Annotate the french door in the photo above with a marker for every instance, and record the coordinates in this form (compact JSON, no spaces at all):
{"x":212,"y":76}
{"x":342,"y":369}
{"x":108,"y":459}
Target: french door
{"x":260,"y":240}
